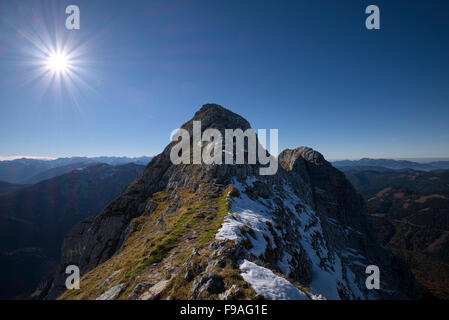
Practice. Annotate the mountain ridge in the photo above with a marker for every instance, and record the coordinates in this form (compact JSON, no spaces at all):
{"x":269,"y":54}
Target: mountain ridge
{"x":6,"y":187}
{"x":28,"y":170}
{"x":391,"y":164}
{"x":202,"y":231}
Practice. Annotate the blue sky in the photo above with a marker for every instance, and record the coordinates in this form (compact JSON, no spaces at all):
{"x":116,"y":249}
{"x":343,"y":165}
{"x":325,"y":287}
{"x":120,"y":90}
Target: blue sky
{"x":309,"y":68}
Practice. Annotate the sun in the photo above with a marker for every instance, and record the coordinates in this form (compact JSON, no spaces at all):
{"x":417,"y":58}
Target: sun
{"x":58,"y":62}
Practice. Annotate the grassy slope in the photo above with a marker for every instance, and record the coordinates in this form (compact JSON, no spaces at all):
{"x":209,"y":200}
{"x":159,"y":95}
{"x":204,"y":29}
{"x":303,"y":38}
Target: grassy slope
{"x":156,"y":250}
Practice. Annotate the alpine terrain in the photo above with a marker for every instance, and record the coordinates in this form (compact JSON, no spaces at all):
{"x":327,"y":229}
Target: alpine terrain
{"x":225,"y":232}
{"x":411,"y":211}
{"x":35,"y":218}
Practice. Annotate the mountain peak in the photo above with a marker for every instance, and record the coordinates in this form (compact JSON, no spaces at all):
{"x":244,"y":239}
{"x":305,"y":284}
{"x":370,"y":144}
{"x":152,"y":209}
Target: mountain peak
{"x":288,"y":157}
{"x":215,"y":116}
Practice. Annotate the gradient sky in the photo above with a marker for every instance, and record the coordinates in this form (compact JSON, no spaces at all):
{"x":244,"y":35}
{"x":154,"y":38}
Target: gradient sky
{"x":309,"y":68}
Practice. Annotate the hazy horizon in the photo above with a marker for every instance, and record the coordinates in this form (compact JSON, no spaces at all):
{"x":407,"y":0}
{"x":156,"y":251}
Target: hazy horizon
{"x":419,"y":160}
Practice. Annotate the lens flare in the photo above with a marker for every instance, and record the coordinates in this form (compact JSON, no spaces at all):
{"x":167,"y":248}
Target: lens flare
{"x":57,"y":63}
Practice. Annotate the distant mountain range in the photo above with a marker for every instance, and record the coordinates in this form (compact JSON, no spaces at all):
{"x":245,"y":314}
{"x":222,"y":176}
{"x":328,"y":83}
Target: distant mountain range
{"x":367,"y":164}
{"x":34,"y":219}
{"x":29,"y":171}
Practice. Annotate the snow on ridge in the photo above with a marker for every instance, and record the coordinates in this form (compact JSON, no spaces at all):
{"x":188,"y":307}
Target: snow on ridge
{"x":328,"y":273}
{"x":325,"y":281}
{"x":269,"y":285}
{"x":247,"y":213}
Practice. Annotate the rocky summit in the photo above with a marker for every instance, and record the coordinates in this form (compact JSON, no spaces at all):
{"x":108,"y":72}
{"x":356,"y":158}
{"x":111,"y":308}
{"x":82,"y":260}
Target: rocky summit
{"x":196,"y":231}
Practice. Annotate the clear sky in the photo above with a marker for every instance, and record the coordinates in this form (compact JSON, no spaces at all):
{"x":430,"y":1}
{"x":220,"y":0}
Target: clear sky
{"x":309,"y":68}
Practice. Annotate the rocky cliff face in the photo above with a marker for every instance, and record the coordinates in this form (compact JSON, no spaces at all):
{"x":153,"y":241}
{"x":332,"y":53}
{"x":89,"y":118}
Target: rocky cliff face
{"x":226,"y":232}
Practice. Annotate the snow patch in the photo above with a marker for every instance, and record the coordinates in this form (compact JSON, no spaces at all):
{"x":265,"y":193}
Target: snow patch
{"x":246,"y":213}
{"x":266,"y":283}
{"x":329,"y":276}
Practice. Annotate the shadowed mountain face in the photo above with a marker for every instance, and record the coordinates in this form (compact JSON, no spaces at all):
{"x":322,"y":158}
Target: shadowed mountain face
{"x":6,"y":187}
{"x":225,"y":232}
{"x":370,"y":181}
{"x":35,"y":219}
{"x":16,"y":171}
{"x":57,"y":171}
{"x":411,"y":209}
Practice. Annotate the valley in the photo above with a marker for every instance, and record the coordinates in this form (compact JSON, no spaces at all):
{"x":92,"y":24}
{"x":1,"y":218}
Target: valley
{"x":34,"y":220}
{"x":411,"y":211}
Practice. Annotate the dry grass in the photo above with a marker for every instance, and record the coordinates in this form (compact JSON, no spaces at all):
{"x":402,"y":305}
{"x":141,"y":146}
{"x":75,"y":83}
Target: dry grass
{"x":156,"y":251}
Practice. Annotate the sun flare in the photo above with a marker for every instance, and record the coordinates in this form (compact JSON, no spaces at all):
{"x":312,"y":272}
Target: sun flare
{"x":57,"y":63}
